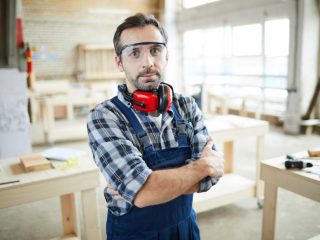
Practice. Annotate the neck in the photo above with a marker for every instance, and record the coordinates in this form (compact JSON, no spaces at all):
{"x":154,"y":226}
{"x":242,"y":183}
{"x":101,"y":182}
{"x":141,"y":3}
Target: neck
{"x":130,"y":88}
{"x":154,"y":114}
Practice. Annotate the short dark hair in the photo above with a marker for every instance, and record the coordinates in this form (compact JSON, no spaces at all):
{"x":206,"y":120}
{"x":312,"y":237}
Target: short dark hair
{"x":137,"y":20}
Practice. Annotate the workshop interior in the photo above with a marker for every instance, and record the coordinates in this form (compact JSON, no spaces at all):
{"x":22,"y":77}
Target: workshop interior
{"x":252,"y":68}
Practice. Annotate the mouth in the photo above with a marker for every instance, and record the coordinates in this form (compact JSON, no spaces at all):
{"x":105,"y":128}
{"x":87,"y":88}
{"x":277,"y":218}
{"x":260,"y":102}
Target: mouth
{"x":148,"y":75}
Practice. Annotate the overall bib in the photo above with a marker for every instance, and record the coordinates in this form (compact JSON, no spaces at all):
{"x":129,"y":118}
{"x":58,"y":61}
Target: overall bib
{"x":169,"y":221}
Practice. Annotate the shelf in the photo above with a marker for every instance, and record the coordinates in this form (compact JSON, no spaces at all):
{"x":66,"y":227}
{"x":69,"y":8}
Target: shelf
{"x":229,"y":189}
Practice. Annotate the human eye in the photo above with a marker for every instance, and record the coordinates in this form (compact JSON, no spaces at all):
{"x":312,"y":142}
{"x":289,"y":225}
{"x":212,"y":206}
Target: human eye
{"x":134,"y":53}
{"x":155,"y":50}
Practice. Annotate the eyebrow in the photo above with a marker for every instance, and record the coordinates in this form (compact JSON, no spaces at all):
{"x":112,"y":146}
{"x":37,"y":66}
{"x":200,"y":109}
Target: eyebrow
{"x":140,"y":43}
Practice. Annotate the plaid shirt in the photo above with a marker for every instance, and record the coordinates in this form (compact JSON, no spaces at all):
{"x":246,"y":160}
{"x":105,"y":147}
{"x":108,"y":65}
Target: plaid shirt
{"x":118,"y":152}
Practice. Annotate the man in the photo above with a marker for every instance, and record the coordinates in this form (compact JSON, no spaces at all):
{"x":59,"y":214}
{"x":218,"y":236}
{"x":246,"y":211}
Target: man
{"x":149,"y":143}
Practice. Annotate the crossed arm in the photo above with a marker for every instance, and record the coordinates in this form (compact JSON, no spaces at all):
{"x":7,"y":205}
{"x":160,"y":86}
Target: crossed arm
{"x":165,"y":185}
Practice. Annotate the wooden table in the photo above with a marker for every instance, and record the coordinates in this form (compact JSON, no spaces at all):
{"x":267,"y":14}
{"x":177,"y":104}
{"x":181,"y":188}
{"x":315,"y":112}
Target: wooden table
{"x":72,"y":127}
{"x":275,"y":175}
{"x":233,"y":187}
{"x":64,"y":181}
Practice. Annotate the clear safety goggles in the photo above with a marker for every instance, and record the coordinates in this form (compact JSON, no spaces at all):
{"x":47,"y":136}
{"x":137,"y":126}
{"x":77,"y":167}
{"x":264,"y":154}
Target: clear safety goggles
{"x":136,"y":51}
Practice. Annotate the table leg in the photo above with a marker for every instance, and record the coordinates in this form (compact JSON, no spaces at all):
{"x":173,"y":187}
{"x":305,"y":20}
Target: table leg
{"x":90,"y":214}
{"x":228,"y":157}
{"x":69,"y":214}
{"x":243,"y":107}
{"x":269,"y":211}
{"x":224,"y":107}
{"x":259,"y":157}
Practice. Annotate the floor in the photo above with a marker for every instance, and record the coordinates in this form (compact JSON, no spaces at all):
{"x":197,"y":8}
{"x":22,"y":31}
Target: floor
{"x":298,"y":218}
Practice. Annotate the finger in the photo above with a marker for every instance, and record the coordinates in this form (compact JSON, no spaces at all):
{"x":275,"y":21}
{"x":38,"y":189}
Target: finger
{"x":220,"y":172}
{"x":210,"y":142}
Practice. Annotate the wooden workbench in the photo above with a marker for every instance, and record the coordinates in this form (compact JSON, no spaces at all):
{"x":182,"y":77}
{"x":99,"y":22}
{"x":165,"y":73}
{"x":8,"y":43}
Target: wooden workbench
{"x":233,"y":187}
{"x":275,"y":175}
{"x":63,"y":180}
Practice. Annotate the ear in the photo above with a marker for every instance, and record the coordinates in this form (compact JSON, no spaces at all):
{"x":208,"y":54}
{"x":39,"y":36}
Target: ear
{"x":118,"y":63}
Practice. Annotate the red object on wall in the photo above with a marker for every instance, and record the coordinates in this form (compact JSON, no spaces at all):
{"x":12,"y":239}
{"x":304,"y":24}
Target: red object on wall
{"x":28,"y":60}
{"x":19,"y":33}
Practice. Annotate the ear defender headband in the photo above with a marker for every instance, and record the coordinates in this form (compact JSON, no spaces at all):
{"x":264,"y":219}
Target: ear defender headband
{"x":158,"y":100}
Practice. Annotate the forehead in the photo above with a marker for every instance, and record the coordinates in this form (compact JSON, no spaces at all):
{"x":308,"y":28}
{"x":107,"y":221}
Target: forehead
{"x":147,"y":33}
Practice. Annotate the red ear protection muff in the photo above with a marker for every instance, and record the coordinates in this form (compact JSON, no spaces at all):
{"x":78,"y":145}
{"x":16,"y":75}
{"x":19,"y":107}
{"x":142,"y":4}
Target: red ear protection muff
{"x":144,"y":101}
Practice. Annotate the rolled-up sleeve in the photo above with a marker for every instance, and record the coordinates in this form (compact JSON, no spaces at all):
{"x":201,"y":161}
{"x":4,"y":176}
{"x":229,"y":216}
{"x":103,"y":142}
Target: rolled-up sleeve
{"x":118,"y":159}
{"x":200,"y":138}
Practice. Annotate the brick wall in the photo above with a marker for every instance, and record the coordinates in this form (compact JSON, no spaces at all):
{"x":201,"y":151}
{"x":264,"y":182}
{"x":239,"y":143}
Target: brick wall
{"x":53,"y":29}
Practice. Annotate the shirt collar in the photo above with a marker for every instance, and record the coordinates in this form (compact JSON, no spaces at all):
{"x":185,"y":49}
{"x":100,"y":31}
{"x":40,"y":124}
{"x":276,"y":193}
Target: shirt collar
{"x":120,"y":95}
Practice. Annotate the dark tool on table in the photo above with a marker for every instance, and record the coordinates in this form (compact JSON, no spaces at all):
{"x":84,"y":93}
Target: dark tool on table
{"x":294,"y":162}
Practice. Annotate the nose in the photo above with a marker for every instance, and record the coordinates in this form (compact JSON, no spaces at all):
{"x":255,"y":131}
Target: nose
{"x":147,"y":60}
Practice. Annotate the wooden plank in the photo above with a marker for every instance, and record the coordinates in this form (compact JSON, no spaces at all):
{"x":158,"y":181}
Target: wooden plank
{"x":90,"y":214}
{"x":228,"y":157}
{"x":34,"y":186}
{"x":269,"y":211}
{"x":33,"y":163}
{"x":69,"y":215}
{"x":62,"y":181}
{"x":275,"y":175}
{"x":259,"y":158}
{"x":229,"y":189}
{"x":295,"y":181}
{"x":230,"y":127}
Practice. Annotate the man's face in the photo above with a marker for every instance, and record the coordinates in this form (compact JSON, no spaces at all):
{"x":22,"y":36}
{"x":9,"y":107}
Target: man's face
{"x":143,"y":64}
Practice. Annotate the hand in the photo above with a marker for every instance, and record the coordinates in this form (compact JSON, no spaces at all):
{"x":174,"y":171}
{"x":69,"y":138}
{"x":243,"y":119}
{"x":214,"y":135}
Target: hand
{"x":115,"y":194}
{"x":214,"y":160}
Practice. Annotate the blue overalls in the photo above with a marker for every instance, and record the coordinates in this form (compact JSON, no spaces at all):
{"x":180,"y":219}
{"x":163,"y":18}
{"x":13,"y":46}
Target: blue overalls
{"x":174,"y":220}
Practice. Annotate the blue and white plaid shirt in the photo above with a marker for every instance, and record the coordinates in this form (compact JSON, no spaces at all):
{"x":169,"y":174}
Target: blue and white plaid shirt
{"x":118,"y":152}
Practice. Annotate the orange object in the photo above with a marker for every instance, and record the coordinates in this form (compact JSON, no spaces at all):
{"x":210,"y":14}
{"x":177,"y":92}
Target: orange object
{"x":33,"y":163}
{"x":28,"y":56}
{"x":314,"y":152}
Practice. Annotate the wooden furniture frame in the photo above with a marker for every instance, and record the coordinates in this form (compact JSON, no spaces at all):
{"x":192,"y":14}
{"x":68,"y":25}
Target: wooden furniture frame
{"x":275,"y":175}
{"x":42,"y":89}
{"x":61,"y":181}
{"x":233,"y":187}
{"x":96,"y":62}
{"x":71,"y":128}
{"x":222,"y":98}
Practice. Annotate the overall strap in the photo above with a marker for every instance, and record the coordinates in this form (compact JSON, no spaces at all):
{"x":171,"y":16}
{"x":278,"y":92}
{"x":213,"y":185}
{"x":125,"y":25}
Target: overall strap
{"x":133,"y":120}
{"x":181,"y":125}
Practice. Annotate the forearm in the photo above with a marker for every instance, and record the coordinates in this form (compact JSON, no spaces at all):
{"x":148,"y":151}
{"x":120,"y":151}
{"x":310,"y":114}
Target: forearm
{"x":165,"y":185}
{"x":195,"y":188}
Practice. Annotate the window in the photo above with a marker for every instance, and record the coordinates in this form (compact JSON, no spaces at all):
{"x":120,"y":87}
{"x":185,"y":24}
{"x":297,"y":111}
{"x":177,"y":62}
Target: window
{"x":249,"y":58}
{"x":196,"y":3}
